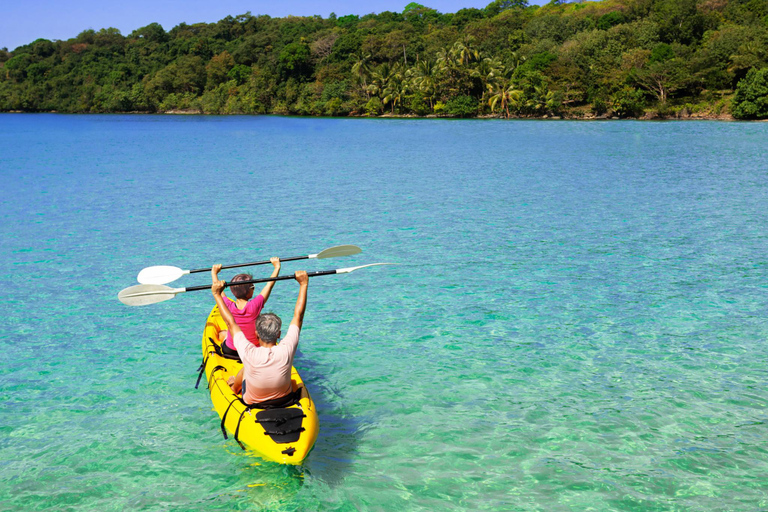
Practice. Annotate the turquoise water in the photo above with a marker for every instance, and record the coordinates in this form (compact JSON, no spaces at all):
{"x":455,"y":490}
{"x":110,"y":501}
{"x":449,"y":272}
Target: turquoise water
{"x":577,"y":320}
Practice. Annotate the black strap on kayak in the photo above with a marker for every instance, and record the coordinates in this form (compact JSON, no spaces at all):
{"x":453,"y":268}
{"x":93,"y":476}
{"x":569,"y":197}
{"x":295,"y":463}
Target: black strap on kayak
{"x":277,"y":421}
{"x":224,"y":417}
{"x":215,"y":369}
{"x":288,"y":400}
{"x":216,"y":349}
{"x":237,"y":430}
{"x":228,"y":353}
{"x":284,"y":432}
{"x":202,"y":369}
{"x":219,"y":352}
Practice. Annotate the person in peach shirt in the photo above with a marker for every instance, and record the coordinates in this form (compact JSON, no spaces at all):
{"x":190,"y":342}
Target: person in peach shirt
{"x":266,"y":372}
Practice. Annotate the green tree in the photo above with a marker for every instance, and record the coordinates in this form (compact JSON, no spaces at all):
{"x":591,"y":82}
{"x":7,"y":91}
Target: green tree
{"x":294,"y":59}
{"x":661,"y":78}
{"x":240,"y":73}
{"x":498,"y":6}
{"x":423,"y":76}
{"x":627,"y":102}
{"x":395,"y":89}
{"x":571,"y":57}
{"x":417,"y":12}
{"x":504,"y":94}
{"x":361,"y":70}
{"x":462,"y":106}
{"x":153,"y":32}
{"x":218,"y":68}
{"x":751,"y":98}
{"x":610,"y":19}
{"x":380,"y":78}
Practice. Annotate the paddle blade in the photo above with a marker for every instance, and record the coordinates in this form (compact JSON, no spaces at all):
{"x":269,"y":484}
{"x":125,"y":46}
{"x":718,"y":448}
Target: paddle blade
{"x":145,"y":294}
{"x":338,"y":251}
{"x":352,"y":269}
{"x":160,"y":274}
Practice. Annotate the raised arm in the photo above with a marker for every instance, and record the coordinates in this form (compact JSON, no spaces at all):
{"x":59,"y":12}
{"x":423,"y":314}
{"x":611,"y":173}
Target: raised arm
{"x":301,"y":302}
{"x":216,"y":288}
{"x":215,"y":275}
{"x":268,"y":287}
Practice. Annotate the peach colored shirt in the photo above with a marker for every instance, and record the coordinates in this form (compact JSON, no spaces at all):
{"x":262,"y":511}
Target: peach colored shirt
{"x":267,"y":370}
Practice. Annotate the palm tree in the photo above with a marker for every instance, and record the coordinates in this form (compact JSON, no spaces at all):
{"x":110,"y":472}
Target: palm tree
{"x":424,"y":78}
{"x":516,"y":59}
{"x":543,"y":99}
{"x":489,"y":71}
{"x":446,"y":59}
{"x":362,"y":71}
{"x":466,"y":53}
{"x":456,"y":63}
{"x":504,"y":94}
{"x":380,"y":78}
{"x":396,"y":88}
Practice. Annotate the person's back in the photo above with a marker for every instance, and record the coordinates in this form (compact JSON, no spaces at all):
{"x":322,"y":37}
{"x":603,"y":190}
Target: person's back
{"x":266,"y":372}
{"x":246,"y":308}
{"x":267,"y":368}
{"x":245,"y":314}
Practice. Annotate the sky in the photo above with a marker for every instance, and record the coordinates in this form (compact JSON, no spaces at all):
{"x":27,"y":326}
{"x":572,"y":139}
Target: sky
{"x":21,"y":22}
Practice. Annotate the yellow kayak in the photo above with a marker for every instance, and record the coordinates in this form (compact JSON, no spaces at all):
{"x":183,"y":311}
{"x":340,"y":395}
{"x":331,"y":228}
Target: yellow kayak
{"x":282,"y":432}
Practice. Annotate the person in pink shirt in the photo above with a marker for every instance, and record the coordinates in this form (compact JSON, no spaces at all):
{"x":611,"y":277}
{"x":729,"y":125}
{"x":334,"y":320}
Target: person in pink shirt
{"x":243,"y":309}
{"x":266,"y":372}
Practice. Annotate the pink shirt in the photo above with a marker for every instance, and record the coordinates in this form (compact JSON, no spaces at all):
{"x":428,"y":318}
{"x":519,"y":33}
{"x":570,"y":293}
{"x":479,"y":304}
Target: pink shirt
{"x":267,"y":370}
{"x":245,"y":318}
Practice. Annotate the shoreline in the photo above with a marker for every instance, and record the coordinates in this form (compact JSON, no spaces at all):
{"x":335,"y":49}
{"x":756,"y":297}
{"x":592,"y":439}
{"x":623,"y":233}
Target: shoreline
{"x":648,"y":116}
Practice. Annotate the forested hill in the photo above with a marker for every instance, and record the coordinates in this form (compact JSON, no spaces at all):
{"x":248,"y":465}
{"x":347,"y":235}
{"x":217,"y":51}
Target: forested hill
{"x":626,"y":58}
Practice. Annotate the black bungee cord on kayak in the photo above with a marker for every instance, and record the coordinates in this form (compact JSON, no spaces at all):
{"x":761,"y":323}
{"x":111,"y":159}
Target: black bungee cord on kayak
{"x":224,"y":418}
{"x":219,"y":352}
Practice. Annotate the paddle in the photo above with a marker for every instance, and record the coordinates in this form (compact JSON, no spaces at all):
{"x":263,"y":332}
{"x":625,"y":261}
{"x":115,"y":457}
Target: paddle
{"x":163,"y":274}
{"x":145,"y":294}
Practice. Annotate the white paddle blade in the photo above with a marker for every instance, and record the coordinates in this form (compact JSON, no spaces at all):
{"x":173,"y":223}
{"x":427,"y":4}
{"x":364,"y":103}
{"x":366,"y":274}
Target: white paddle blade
{"x":352,"y":269}
{"x":145,"y":294}
{"x":160,"y":274}
{"x":337,"y":252}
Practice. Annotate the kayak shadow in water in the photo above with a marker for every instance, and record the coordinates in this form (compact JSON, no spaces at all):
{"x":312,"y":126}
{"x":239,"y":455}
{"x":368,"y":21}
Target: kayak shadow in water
{"x":340,"y":433}
{"x":264,"y":484}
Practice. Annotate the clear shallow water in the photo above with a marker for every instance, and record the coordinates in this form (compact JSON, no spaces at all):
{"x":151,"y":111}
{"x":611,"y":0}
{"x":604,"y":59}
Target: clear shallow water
{"x":577,"y":321}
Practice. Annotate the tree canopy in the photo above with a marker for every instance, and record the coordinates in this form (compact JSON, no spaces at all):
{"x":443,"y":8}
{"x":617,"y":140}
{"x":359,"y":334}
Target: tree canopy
{"x":614,"y":57}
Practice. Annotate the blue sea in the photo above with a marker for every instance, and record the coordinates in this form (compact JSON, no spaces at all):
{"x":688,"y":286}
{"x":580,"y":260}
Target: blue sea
{"x":577,"y":321}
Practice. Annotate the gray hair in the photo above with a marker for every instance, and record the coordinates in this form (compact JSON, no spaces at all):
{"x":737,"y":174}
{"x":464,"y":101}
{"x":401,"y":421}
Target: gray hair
{"x":268,"y":327}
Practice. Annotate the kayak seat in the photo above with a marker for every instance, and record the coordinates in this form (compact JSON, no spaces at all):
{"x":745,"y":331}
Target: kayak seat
{"x":228,"y":353}
{"x":283,"y":425}
{"x":288,"y":400}
{"x":224,"y":351}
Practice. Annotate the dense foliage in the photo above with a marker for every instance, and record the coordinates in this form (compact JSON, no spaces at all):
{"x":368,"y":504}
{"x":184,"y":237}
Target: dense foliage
{"x":614,"y":57}
{"x":751,"y":99}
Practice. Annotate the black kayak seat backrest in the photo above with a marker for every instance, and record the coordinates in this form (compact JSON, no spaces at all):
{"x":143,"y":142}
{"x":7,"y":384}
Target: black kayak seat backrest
{"x":224,"y":351}
{"x":286,"y":425}
{"x":282,"y":425}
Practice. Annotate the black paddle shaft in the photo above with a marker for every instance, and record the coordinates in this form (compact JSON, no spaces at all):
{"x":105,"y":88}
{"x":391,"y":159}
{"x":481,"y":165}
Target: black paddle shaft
{"x":252,"y":264}
{"x":265,"y":280}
